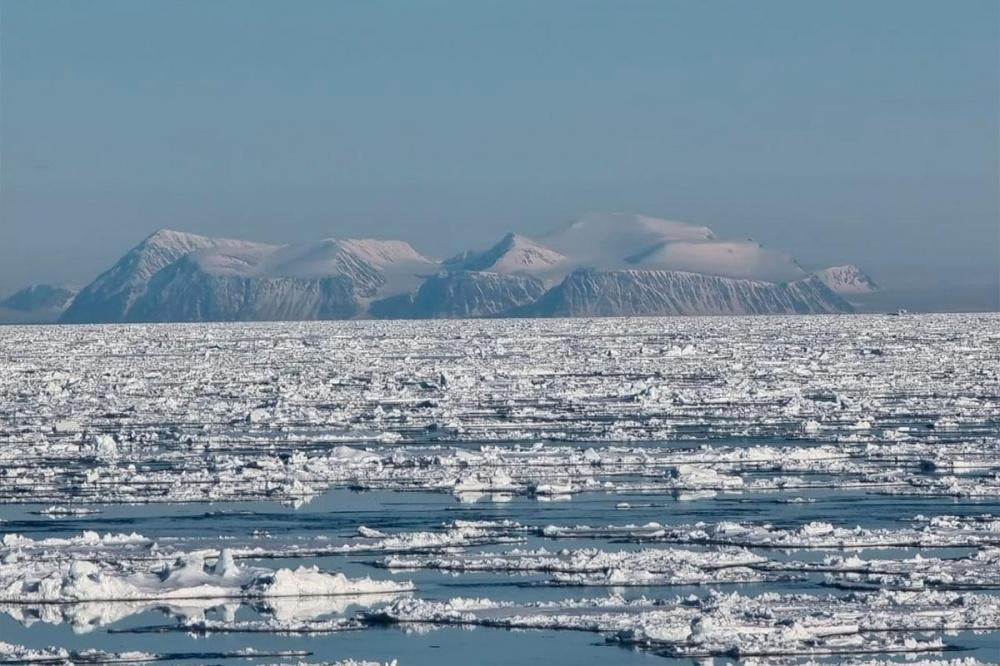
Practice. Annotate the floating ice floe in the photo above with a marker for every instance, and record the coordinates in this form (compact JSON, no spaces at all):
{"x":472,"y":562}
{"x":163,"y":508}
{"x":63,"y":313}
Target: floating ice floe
{"x":188,"y":576}
{"x":976,"y":572}
{"x":734,"y":625}
{"x":18,"y":654}
{"x":593,"y":566}
{"x":541,"y":472}
{"x":68,"y":511}
{"x":910,"y":661}
{"x":940,"y":531}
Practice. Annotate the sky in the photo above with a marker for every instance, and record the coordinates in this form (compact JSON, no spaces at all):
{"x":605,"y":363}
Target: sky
{"x":862,"y":131}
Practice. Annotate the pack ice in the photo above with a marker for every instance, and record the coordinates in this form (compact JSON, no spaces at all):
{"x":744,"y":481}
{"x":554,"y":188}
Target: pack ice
{"x":802,"y":489}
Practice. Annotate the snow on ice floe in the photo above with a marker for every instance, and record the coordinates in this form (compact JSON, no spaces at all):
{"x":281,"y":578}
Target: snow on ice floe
{"x":11,"y":653}
{"x":937,"y":532}
{"x":540,"y":471}
{"x":592,"y":566}
{"x":727,"y":559}
{"x":282,"y":615}
{"x":59,"y":579}
{"x":59,"y":511}
{"x":979,"y":571}
{"x":910,"y":661}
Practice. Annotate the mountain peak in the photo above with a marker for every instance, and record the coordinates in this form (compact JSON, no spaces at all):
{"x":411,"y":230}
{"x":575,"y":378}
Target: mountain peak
{"x":110,"y":296}
{"x":847,"y":279}
{"x":513,"y":254}
{"x":170,"y":237}
{"x":383,"y":252}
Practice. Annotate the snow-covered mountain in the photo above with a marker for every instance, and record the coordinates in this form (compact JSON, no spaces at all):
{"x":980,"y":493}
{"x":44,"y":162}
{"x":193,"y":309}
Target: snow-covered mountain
{"x":601,"y":264}
{"x":513,"y":254}
{"x":110,"y":297}
{"x":743,"y":260}
{"x":37,"y":304}
{"x":847,"y":280}
{"x":237,"y":281}
{"x":185,"y":291}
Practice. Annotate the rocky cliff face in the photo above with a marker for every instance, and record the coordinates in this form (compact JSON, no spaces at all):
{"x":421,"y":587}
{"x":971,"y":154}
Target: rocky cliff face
{"x":184,"y":292}
{"x":460,"y":294}
{"x":594,"y":293}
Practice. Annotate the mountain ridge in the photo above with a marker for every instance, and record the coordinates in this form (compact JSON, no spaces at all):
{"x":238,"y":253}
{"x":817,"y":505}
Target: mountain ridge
{"x":600,"y":264}
{"x":112,"y":293}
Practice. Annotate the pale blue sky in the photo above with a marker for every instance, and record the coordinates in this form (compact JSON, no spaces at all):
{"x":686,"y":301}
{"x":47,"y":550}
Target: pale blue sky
{"x":862,"y":131}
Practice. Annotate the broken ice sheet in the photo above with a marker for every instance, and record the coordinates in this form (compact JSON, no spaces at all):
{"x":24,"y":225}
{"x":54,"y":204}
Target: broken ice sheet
{"x":593,"y":566}
{"x":548,"y":425}
{"x":11,"y":653}
{"x":976,"y":572}
{"x":940,"y":531}
{"x":189,"y":575}
{"x":731,"y":624}
{"x":242,"y":425}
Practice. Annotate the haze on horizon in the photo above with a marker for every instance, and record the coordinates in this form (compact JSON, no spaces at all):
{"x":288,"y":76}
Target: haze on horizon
{"x":851,"y":132}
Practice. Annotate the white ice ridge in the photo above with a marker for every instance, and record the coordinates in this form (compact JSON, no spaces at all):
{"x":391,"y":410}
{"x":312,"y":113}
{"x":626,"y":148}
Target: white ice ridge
{"x":542,"y":471}
{"x":940,"y":531}
{"x":453,"y":535}
{"x":734,"y":625}
{"x":718,"y":563}
{"x":682,"y":567}
{"x":592,"y":566}
{"x":27,"y":579}
{"x":281,"y":615}
{"x":962,"y":661}
{"x":93,"y":545}
{"x":395,"y":662}
{"x":979,"y":571}
{"x":978,"y":532}
{"x":11,"y":653}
